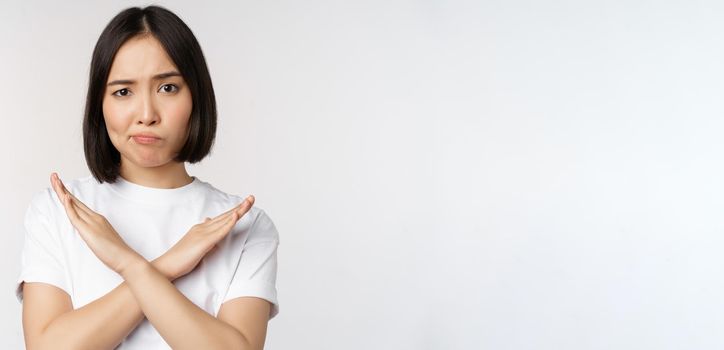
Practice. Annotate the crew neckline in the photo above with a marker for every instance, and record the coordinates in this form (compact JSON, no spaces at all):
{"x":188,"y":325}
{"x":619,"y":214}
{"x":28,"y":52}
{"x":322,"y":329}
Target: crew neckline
{"x":153,"y":195}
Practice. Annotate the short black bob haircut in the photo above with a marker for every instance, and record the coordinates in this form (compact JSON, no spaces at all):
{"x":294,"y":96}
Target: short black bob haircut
{"x":102,"y":157}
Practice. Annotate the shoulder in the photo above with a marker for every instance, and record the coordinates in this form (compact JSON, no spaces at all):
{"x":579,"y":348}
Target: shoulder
{"x":82,"y":186}
{"x":46,"y":201}
{"x":228,"y":200}
{"x":262,"y":226}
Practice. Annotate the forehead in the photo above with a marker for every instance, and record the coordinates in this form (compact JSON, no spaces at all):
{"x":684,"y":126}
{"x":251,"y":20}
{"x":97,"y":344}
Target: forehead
{"x":140,"y":58}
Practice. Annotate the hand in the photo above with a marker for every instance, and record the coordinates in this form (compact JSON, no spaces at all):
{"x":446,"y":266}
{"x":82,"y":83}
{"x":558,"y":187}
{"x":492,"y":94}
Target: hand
{"x":202,"y":238}
{"x":95,"y":230}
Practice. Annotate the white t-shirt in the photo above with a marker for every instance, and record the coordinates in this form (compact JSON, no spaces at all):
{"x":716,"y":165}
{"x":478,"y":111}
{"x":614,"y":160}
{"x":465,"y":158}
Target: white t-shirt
{"x":150,"y":220}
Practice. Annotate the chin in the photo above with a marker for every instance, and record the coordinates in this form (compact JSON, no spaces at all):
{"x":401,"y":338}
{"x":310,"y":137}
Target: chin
{"x":151,"y":161}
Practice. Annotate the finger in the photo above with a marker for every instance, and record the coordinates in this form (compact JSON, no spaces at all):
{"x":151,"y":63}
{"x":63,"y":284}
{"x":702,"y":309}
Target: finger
{"x":246,"y":205}
{"x":83,"y":214}
{"x":75,"y":213}
{"x":80,"y":205}
{"x":230,"y":223}
{"x":225,"y":226}
{"x":62,"y":196}
{"x":63,"y":192}
{"x":233,"y":219}
{"x":70,"y":210}
{"x":219,"y":218}
{"x":56,"y":187}
{"x":214,"y":225}
{"x":220,"y":226}
{"x":224,"y":215}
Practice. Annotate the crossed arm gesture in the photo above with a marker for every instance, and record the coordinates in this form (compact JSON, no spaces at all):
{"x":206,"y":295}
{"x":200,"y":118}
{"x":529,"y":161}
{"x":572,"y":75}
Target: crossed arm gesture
{"x":50,"y":322}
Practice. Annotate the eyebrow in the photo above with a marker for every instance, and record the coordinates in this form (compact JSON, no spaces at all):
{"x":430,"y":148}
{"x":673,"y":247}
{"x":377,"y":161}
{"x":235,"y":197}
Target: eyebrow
{"x":155,"y":77}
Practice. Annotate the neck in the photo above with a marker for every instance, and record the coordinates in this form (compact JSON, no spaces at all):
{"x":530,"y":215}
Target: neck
{"x":169,"y":175}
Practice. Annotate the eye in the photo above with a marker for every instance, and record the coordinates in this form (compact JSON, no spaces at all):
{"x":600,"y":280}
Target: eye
{"x":169,"y":88}
{"x":123,"y":92}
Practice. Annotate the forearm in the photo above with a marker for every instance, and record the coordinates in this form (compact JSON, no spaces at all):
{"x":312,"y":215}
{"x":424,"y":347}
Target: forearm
{"x":101,"y":324}
{"x":181,"y":323}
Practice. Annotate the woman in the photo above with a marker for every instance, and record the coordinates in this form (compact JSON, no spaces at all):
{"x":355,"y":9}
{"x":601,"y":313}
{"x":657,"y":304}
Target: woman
{"x":140,"y":255}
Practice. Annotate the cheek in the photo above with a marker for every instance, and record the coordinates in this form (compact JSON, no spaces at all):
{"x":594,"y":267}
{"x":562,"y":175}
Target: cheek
{"x":114,"y":118}
{"x":181,"y":109}
{"x":179,"y":114}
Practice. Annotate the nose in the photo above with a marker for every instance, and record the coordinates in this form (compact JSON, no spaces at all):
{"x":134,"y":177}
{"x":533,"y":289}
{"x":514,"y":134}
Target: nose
{"x":148,"y":114}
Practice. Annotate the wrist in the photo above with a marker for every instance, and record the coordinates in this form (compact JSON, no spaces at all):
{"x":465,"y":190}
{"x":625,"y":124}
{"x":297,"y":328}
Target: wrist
{"x":162,"y":264}
{"x":132,"y":266}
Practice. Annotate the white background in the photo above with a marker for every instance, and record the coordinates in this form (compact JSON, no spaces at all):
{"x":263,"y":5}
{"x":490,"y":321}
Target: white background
{"x":443,"y":174}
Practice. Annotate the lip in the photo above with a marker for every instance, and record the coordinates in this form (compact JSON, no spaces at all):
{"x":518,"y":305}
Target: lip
{"x":146,"y":135}
{"x":145,"y":138}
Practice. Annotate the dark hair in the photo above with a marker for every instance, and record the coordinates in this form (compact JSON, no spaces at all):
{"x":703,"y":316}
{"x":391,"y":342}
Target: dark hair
{"x":102,"y":157}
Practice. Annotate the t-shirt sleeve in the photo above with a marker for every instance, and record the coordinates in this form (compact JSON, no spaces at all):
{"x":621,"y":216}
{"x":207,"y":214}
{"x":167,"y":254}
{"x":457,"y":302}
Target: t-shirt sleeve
{"x":42,"y":256}
{"x":257,"y":269}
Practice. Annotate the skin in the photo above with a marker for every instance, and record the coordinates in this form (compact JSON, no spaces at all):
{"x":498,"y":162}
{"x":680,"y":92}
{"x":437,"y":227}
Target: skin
{"x":161,"y":106}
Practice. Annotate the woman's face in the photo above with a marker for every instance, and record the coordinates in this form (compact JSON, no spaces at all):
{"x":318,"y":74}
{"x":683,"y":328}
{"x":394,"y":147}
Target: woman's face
{"x":145,"y":94}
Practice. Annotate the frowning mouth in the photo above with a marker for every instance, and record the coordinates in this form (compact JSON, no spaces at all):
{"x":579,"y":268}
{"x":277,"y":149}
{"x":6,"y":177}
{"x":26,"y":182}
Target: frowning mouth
{"x":145,"y":139}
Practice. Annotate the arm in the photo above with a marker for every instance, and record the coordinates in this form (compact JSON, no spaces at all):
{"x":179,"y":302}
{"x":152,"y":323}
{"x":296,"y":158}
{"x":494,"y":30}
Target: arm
{"x":181,"y":323}
{"x":101,"y":324}
{"x":248,"y":306}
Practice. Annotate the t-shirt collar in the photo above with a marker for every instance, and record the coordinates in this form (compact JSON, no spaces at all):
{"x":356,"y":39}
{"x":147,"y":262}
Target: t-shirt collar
{"x":153,"y":195}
